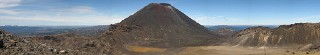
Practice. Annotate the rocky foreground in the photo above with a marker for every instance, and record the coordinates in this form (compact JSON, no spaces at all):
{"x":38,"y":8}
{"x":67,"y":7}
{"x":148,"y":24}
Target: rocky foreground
{"x":47,"y":45}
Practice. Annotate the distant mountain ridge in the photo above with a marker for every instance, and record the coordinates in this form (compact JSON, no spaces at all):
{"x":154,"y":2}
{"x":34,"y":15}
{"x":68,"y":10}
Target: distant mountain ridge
{"x":25,"y":31}
{"x":52,"y":30}
{"x":236,"y":27}
{"x":284,"y":35}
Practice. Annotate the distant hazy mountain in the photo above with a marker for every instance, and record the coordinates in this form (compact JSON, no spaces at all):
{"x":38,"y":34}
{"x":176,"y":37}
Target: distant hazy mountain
{"x":91,"y":31}
{"x":31,"y":30}
{"x":236,"y":27}
{"x":51,"y":30}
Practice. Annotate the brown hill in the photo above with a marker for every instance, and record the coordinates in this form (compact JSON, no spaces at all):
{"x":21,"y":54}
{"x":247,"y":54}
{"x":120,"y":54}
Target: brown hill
{"x":285,"y":35}
{"x":157,"y":25}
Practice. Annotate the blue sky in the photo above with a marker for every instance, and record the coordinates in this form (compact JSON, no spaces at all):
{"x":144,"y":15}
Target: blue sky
{"x":205,"y":12}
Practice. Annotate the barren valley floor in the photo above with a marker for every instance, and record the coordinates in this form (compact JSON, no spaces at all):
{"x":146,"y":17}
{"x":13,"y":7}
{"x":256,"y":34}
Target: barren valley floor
{"x":217,"y":50}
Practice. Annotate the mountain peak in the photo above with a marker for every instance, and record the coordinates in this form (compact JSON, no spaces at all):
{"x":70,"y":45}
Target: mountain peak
{"x":164,"y":16}
{"x":163,"y":4}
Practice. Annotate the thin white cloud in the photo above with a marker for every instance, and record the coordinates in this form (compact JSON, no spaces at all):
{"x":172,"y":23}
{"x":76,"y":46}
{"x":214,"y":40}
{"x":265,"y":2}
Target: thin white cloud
{"x":72,"y":15}
{"x":5,"y":4}
{"x":215,"y":20}
{"x":310,"y":19}
{"x":71,"y":10}
{"x":12,"y":12}
{"x":9,"y":3}
{"x":222,"y":20}
{"x":82,"y":9}
{"x":93,"y":20}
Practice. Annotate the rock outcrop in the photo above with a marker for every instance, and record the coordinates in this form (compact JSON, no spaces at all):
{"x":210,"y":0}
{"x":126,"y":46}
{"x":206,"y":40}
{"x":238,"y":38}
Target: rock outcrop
{"x":224,"y":32}
{"x":285,"y":35}
{"x":7,"y":40}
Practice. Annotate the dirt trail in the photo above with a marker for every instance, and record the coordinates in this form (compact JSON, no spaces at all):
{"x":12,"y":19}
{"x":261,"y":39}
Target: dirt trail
{"x":228,"y":50}
{"x":145,"y":49}
{"x":225,"y":50}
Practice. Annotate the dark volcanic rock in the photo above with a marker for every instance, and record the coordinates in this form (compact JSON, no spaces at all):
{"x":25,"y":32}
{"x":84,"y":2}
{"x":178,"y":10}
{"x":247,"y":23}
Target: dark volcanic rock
{"x":61,"y":44}
{"x":224,"y":32}
{"x":157,"y":25}
{"x":161,"y":17}
{"x":284,"y":35}
{"x":6,"y":39}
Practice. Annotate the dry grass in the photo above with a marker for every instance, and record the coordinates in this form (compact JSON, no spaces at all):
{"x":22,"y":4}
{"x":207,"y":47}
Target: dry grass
{"x":228,"y":50}
{"x":142,"y":49}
